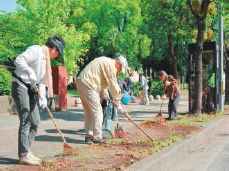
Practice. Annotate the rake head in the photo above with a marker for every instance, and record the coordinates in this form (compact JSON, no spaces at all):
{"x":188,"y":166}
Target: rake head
{"x":119,"y":131}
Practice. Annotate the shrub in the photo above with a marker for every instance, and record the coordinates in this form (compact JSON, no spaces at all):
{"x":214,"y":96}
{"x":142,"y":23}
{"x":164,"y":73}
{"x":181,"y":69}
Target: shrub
{"x":5,"y":82}
{"x":157,"y":88}
{"x":136,"y":88}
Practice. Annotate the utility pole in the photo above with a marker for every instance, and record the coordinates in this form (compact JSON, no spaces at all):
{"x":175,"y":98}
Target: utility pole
{"x":220,"y":59}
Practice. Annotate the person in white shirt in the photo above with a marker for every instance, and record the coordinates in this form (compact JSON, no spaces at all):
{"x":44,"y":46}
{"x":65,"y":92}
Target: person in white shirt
{"x":144,"y":85}
{"x":33,"y":67}
{"x":98,"y":75}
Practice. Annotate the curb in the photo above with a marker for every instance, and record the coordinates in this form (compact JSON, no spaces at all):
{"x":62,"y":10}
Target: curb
{"x":163,"y":160}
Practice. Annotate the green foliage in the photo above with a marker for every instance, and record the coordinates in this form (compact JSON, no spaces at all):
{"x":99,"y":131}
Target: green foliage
{"x":40,"y":20}
{"x":167,"y":18}
{"x":184,"y":86}
{"x":73,"y":93}
{"x":137,"y":88}
{"x":135,"y":29}
{"x":157,"y":88}
{"x":174,"y":138}
{"x":5,"y":82}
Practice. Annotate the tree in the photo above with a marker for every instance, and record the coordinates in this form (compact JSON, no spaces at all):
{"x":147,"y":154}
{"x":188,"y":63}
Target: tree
{"x":200,"y":10}
{"x":170,"y":27}
{"x":38,"y":20}
{"x":113,"y":27}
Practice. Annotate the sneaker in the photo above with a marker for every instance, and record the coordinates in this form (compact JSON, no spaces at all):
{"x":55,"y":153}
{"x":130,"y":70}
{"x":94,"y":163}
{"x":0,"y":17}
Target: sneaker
{"x":168,"y":119}
{"x":89,"y":139}
{"x":27,"y":160}
{"x":101,"y":141}
{"x":30,"y":154}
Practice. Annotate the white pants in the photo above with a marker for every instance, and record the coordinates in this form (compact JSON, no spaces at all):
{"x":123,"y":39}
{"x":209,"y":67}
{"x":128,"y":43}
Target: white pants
{"x":92,"y":110}
{"x":145,"y":99}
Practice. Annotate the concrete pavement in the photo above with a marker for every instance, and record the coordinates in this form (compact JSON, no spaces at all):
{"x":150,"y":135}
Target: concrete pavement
{"x":49,"y":144}
{"x":211,"y":155}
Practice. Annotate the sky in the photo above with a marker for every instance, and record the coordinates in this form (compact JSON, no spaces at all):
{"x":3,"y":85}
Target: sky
{"x":8,"y":5}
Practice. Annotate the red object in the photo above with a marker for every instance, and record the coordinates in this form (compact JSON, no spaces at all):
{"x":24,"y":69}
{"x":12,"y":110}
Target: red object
{"x":59,"y":77}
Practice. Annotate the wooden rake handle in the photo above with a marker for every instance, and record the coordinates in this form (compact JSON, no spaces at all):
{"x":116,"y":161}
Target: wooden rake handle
{"x":64,"y":141}
{"x":128,"y":117}
{"x":161,"y":104}
{"x":162,"y":99}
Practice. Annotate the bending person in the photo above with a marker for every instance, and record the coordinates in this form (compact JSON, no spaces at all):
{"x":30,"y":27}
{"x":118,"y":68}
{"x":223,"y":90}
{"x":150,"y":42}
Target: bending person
{"x":95,"y":77}
{"x":172,"y":88}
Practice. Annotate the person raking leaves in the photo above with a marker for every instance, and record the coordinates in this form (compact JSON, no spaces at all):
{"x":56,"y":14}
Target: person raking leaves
{"x":33,"y":67}
{"x":172,"y":89}
{"x":95,"y":78}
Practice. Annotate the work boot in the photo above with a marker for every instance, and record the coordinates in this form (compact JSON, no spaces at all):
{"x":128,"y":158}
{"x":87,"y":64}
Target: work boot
{"x":28,"y":160}
{"x":89,"y":140}
{"x":33,"y":157}
{"x":101,"y":141}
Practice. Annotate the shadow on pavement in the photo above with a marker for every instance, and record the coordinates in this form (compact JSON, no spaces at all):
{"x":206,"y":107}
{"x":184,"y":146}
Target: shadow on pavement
{"x":71,"y":114}
{"x":9,"y":161}
{"x":65,"y":131}
{"x":58,"y":139}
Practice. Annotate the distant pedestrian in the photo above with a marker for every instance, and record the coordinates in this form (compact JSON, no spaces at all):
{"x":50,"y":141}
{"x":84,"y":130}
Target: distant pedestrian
{"x":111,"y":113}
{"x":144,"y":85}
{"x":122,"y":85}
{"x":130,"y":81}
{"x":149,"y":81}
{"x":172,"y":88}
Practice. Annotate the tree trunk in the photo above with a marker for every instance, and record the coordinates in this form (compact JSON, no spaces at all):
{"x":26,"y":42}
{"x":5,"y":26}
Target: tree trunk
{"x":196,"y":109}
{"x":172,"y":57}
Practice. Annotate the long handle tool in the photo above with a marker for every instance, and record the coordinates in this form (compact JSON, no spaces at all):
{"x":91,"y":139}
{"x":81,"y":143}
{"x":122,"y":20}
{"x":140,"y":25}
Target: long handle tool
{"x":66,"y":146}
{"x":129,"y":118}
{"x":159,"y":114}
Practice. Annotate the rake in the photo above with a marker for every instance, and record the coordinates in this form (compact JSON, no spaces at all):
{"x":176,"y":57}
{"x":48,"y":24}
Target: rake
{"x":129,"y":118}
{"x":67,"y":148}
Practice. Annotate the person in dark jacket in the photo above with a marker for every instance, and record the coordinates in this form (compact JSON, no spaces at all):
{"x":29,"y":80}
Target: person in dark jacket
{"x":149,"y":81}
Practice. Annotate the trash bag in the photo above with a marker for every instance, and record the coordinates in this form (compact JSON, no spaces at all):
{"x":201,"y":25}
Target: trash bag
{"x":126,"y":98}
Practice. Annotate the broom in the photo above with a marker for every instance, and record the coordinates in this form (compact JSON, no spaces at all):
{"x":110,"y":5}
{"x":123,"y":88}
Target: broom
{"x":129,"y":118}
{"x":67,"y":148}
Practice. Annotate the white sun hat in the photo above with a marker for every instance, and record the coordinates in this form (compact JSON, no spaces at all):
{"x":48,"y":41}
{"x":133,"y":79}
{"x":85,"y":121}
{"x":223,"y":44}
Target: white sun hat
{"x":124,"y":63}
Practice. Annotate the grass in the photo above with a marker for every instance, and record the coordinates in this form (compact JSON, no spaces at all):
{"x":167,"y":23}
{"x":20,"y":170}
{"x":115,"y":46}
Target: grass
{"x":73,"y":93}
{"x":200,"y":120}
{"x":153,"y":146}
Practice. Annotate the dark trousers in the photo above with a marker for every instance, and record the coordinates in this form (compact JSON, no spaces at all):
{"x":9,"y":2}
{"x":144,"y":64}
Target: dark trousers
{"x":149,"y":91}
{"x":29,"y":118}
{"x":172,"y":107}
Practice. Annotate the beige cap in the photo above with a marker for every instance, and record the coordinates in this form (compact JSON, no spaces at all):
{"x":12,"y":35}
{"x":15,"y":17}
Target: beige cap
{"x":124,"y":63}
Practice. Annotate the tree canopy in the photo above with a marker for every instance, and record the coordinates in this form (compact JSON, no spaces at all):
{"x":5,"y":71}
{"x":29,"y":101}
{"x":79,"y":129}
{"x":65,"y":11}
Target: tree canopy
{"x":146,"y":32}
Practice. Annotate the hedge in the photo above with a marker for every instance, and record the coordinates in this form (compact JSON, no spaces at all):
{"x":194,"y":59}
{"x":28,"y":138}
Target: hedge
{"x":5,"y":82}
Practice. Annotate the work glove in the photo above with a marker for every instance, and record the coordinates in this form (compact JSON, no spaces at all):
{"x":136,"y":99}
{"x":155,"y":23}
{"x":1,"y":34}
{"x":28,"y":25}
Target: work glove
{"x":32,"y":78}
{"x":120,"y":108}
{"x":43,"y":102}
{"x":167,"y":83}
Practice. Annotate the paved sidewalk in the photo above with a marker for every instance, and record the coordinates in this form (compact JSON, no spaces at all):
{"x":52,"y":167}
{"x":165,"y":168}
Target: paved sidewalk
{"x":49,"y":144}
{"x":211,"y":155}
